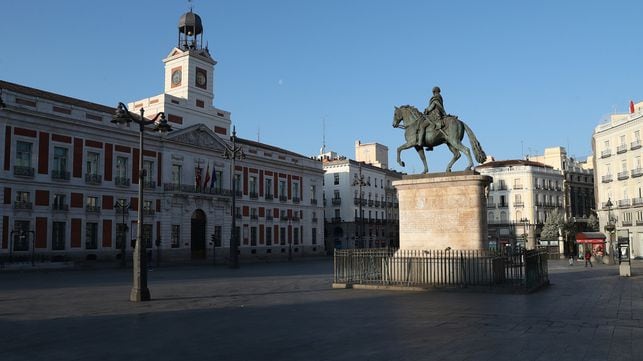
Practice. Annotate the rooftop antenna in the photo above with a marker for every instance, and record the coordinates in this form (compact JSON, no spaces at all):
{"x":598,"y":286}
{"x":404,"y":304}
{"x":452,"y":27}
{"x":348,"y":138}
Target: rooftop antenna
{"x":258,"y":134}
{"x":323,"y":148}
{"x":190,"y":5}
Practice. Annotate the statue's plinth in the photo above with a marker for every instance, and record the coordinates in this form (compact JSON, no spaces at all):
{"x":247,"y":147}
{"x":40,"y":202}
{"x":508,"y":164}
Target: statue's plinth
{"x":442,"y":210}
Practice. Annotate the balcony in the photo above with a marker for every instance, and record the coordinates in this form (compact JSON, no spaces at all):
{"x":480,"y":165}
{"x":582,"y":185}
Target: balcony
{"x":491,"y":205}
{"x":254,"y":195}
{"x":313,"y":201}
{"x":517,"y":186}
{"x":121,"y":211}
{"x":336,"y":220}
{"x":94,"y":179}
{"x":637,"y":202}
{"x":503,"y":205}
{"x":254,"y":217}
{"x":268,"y":217}
{"x":21,"y":171}
{"x":283,"y":217}
{"x":519,"y":204}
{"x":370,"y":202}
{"x":314,"y":220}
{"x":396,"y":205}
{"x":283,"y":198}
{"x":60,"y":207}
{"x":639,"y":222}
{"x":238,"y":193}
{"x":177,"y":187}
{"x":336,"y":201}
{"x":238,"y":215}
{"x":626,"y":223}
{"x":149,"y":185}
{"x":22,"y":205}
{"x":60,"y":175}
{"x":623,"y":203}
{"x":148,"y":212}
{"x":295,"y":219}
{"x":376,"y":203}
{"x":621,"y":149}
{"x":607,"y":178}
{"x":122,"y":181}
{"x":637,"y":172}
{"x":268,"y":197}
{"x":623,"y":175}
{"x":606,"y":153}
{"x":296,"y":200}
{"x":92,"y":209}
{"x":635,"y":145}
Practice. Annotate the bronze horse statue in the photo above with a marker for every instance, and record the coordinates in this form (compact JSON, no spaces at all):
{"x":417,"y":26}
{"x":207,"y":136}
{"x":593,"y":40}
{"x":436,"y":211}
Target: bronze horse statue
{"x":450,"y":134}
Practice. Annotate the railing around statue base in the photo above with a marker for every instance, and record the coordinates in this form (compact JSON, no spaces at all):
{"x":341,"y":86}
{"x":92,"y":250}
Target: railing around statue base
{"x":521,"y":270}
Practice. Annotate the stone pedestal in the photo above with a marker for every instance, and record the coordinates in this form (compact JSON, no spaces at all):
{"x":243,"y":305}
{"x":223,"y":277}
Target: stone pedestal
{"x":625,"y":269}
{"x":443,"y":210}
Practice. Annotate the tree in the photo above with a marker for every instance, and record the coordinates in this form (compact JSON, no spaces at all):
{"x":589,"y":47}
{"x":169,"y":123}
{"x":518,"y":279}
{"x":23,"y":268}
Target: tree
{"x":554,"y":223}
{"x":592,"y":223}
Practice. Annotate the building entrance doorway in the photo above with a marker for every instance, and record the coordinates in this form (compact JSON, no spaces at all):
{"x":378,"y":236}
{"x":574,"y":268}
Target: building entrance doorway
{"x":197,"y":242}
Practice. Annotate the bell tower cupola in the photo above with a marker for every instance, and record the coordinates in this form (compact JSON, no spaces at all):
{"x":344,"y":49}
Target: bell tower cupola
{"x":189,"y":68}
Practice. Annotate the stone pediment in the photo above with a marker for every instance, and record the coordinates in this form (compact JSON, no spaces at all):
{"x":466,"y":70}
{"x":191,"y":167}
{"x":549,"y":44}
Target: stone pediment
{"x":199,"y":136}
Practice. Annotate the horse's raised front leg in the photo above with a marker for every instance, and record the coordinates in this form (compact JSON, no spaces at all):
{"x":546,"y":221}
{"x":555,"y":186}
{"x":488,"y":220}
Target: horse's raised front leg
{"x":420,"y":151}
{"x":400,"y":149}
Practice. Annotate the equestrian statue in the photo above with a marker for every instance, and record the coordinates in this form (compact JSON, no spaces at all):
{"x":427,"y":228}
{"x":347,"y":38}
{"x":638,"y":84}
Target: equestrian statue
{"x":432,"y":128}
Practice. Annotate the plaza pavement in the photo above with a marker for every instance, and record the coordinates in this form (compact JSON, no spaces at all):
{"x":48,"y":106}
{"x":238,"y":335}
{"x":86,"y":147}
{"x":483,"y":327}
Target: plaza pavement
{"x":288,"y":311}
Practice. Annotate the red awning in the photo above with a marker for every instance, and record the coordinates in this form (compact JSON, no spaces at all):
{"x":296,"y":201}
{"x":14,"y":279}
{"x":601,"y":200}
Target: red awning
{"x":590,"y":237}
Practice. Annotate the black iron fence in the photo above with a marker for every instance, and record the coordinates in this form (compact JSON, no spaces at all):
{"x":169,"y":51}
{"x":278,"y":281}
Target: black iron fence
{"x":520,"y":269}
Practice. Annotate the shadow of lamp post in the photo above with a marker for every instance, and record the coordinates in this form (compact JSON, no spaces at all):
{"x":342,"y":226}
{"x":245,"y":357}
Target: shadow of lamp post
{"x":234,"y":152}
{"x":139,"y":291}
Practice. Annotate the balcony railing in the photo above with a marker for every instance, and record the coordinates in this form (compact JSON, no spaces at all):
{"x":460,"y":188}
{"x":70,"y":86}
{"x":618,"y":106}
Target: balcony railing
{"x":370,"y":202}
{"x":268,"y":217}
{"x":607,"y":178}
{"x":606,"y":153}
{"x":313,"y":201}
{"x":149,"y":212}
{"x":336,"y":201}
{"x":238,"y":193}
{"x":21,"y":171}
{"x":626,"y":223}
{"x":175,"y":187}
{"x":503,"y":205}
{"x":376,"y":203}
{"x":639,"y":222}
{"x":283,"y":218}
{"x":149,"y":185}
{"x":59,"y":175}
{"x":92,"y":209}
{"x":60,"y":207}
{"x":296,"y":200}
{"x":517,"y":186}
{"x":621,"y":149}
{"x":121,"y":211}
{"x":336,"y":220}
{"x":254,"y":217}
{"x":637,"y":202}
{"x":121,"y":181}
{"x":93,"y":178}
{"x":254,"y":195}
{"x":268,"y":197}
{"x":396,"y":205}
{"x":637,"y":172}
{"x":623,"y":175}
{"x":22,"y":205}
{"x":283,"y":198}
{"x":623,"y":203}
{"x":635,"y":145}
{"x":519,"y":204}
{"x":491,"y":205}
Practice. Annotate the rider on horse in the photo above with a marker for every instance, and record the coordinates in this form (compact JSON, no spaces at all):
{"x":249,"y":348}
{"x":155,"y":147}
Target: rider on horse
{"x":433,"y":114}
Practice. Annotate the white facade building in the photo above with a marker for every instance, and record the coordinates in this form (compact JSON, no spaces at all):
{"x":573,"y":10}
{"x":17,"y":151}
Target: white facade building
{"x":67,"y":170}
{"x":618,"y":175}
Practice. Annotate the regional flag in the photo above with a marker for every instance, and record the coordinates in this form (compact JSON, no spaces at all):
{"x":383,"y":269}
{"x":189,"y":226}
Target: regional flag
{"x":207,"y":177}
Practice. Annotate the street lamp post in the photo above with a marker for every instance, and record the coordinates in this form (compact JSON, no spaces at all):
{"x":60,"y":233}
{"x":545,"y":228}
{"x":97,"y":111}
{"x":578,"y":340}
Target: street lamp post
{"x":358,"y":180}
{"x":124,"y":207}
{"x":139,"y":291}
{"x":234,"y":152}
{"x":610,"y":228}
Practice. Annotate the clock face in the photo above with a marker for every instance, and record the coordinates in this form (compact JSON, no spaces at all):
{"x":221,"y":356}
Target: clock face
{"x":176,"y":77}
{"x":201,"y":78}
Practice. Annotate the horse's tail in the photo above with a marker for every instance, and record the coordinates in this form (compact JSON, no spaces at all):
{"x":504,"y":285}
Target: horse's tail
{"x":477,"y":148}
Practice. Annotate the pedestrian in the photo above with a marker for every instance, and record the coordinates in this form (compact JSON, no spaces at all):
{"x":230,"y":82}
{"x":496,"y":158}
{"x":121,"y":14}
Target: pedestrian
{"x":571,"y":260}
{"x":588,"y":258}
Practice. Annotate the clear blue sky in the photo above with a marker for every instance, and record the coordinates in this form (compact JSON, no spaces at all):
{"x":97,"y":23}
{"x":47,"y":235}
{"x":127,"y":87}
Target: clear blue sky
{"x":523,"y":75}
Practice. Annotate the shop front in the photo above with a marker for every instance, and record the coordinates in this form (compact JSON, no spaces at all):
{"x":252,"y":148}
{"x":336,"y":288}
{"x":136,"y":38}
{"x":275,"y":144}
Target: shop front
{"x":594,"y":241}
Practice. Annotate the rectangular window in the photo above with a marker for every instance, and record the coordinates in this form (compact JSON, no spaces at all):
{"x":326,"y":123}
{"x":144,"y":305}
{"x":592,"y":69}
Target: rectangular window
{"x":282,"y":189}
{"x":252,"y":184}
{"x":268,"y":236}
{"x":121,"y":167}
{"x":313,"y":192}
{"x":60,"y":202}
{"x":336,"y":178}
{"x":176,"y":175}
{"x":60,"y":161}
{"x":23,"y":154}
{"x":237,"y":183}
{"x":253,"y":236}
{"x":147,"y":235}
{"x":295,"y":190}
{"x":93,"y":163}
{"x":314,"y":236}
{"x":58,"y":236}
{"x":148,"y":167}
{"x":218,"y":180}
{"x":91,"y":235}
{"x":268,"y":187}
{"x":176,"y":236}
{"x":22,"y":236}
{"x":295,"y":233}
{"x":282,"y":235}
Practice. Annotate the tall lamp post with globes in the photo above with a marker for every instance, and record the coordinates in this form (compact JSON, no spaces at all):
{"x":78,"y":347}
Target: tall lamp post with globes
{"x":610,"y":228}
{"x":234,"y":152}
{"x":140,"y":292}
{"x":359,"y":181}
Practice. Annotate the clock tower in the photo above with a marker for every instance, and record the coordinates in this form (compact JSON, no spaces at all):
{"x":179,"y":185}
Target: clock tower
{"x":189,"y":68}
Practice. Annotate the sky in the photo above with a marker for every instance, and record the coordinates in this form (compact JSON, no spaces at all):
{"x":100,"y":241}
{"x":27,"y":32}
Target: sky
{"x":524,"y":75}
